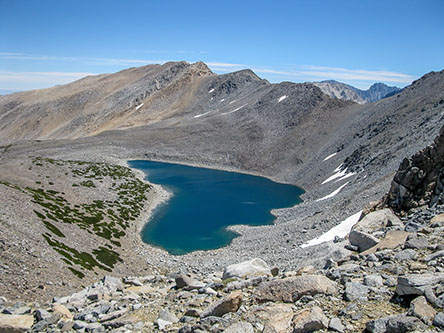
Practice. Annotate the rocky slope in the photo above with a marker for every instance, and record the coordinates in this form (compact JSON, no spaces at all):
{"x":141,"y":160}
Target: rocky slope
{"x":98,"y":103}
{"x":344,"y":91}
{"x":392,"y":281}
{"x":289,"y":132}
{"x":395,"y":285}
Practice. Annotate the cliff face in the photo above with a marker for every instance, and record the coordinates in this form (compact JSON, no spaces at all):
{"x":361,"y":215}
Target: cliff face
{"x":420,"y":178}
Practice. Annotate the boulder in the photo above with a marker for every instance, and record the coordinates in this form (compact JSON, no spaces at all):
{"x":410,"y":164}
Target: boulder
{"x":392,"y":239}
{"x":280,"y":322}
{"x":377,"y":325}
{"x":188,"y":283}
{"x":400,"y":324}
{"x":421,"y":309}
{"x":373,"y":280}
{"x":355,"y":291}
{"x":376,"y":220}
{"x":336,"y":325}
{"x":416,"y":243}
{"x":309,"y":320}
{"x":247,"y":268}
{"x":415,"y":284}
{"x":15,"y":323}
{"x":439,"y":320}
{"x":434,"y":256}
{"x":407,"y":254}
{"x":362,"y":240}
{"x":230,"y":303}
{"x":293,"y":288}
{"x":63,"y":311}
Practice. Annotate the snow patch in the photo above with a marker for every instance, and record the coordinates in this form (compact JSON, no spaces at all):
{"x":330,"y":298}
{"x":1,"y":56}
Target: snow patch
{"x":282,"y":98}
{"x":237,"y":109}
{"x":210,"y":91}
{"x":341,"y":230}
{"x":348,"y":175}
{"x":329,"y":156}
{"x":336,"y":175}
{"x":139,"y":106}
{"x":223,"y":99}
{"x":202,"y":114}
{"x":332,"y":194}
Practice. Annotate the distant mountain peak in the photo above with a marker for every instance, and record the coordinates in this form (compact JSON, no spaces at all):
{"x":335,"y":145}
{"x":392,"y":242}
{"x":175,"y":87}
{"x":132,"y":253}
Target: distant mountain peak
{"x":345,"y":91}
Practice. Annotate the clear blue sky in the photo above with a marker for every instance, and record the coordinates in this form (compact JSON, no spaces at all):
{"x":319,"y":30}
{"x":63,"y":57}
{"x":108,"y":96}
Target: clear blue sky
{"x":43,"y":43}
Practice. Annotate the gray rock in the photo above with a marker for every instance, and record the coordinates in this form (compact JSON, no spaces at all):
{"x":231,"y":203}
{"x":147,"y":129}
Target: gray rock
{"x":240,"y":327}
{"x":377,"y":325}
{"x":230,"y":303}
{"x":355,"y":291}
{"x":20,"y":310}
{"x":212,"y":320}
{"x":336,"y":325}
{"x":251,"y":267}
{"x":188,"y":283}
{"x":373,"y":280}
{"x":400,"y":324}
{"x":133,"y":281}
{"x":293,"y":288}
{"x":438,"y":321}
{"x":94,"y":327}
{"x":416,"y":243}
{"x":42,"y":314}
{"x":433,"y":256}
{"x":407,"y":254}
{"x":390,"y":281}
{"x":168,"y":316}
{"x":376,"y":220}
{"x":78,"y":324}
{"x":371,"y":258}
{"x":112,"y":283}
{"x":362,"y":240}
{"x":414,"y":284}
{"x":162,"y":324}
{"x":309,"y":320}
{"x":421,"y":309}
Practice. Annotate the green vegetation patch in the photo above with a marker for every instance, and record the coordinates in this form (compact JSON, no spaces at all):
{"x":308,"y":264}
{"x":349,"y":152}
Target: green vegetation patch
{"x":105,"y":219}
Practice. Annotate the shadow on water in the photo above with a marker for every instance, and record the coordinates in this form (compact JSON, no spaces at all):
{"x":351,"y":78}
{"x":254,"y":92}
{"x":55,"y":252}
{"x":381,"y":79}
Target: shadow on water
{"x":205,"y":202}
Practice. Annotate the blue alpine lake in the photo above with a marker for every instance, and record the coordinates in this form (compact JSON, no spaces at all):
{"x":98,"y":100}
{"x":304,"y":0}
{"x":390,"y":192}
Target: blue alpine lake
{"x":205,"y":202}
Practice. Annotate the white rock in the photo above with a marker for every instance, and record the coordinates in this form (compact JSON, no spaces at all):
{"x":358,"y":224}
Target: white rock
{"x":247,"y":268}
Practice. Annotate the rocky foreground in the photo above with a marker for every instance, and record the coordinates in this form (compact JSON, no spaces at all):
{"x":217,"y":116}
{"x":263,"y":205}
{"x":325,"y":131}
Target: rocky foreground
{"x":393,"y":282}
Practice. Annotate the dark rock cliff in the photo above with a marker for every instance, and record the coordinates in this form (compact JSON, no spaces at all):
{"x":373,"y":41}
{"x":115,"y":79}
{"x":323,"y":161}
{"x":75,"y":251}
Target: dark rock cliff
{"x":420,"y":179}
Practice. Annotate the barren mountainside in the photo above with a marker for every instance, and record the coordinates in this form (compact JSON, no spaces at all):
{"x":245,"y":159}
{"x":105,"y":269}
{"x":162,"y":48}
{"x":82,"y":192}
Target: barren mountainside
{"x":64,"y":150}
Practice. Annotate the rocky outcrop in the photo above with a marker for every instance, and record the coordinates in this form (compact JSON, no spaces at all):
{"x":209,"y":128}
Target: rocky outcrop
{"x":420,"y":179}
{"x":293,"y":288}
{"x":251,"y":267}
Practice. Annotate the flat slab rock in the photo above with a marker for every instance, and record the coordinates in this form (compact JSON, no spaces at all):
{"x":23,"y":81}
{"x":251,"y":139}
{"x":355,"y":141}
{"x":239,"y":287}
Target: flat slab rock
{"x":230,"y":303}
{"x":253,"y":267}
{"x":414,"y":284}
{"x":309,"y":320}
{"x":293,"y":288}
{"x":362,"y":240}
{"x":392,"y":239}
{"x":15,"y":323}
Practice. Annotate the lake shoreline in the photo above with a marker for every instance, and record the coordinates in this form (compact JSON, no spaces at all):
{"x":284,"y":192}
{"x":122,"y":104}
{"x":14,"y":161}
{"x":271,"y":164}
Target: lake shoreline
{"x":207,"y":203}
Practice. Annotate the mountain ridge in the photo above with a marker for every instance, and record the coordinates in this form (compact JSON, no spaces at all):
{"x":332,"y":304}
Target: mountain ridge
{"x":341,"y":90}
{"x":288,"y":132}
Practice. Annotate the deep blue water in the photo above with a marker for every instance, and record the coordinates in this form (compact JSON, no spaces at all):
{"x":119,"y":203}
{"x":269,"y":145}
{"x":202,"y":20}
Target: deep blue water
{"x":205,"y":202}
